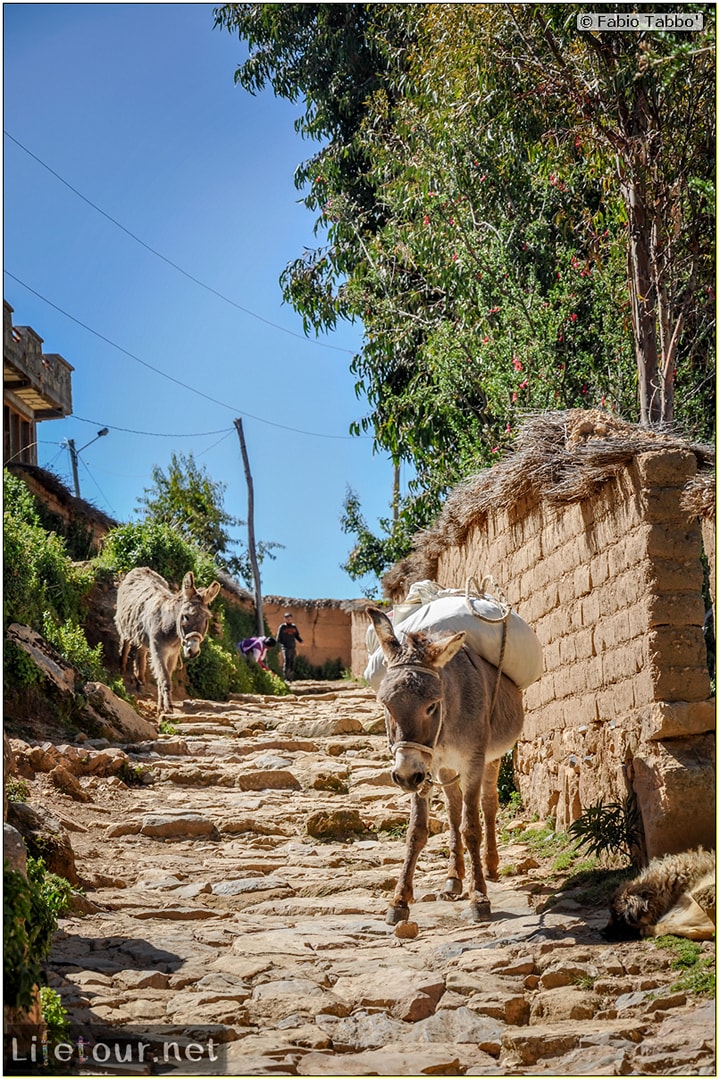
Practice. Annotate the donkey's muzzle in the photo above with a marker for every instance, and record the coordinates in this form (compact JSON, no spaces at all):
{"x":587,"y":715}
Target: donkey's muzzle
{"x":191,"y":647}
{"x":411,"y":782}
{"x":412,"y":766}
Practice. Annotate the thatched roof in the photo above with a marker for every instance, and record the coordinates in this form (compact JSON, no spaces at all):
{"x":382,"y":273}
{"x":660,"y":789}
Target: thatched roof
{"x":560,"y":456}
{"x":290,"y":602}
{"x":698,"y":497}
{"x":234,"y":588}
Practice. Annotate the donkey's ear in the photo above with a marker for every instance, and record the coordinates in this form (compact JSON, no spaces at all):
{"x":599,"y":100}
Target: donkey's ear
{"x":188,"y":585}
{"x":384,"y":630}
{"x":437,"y":653}
{"x":211,"y":592}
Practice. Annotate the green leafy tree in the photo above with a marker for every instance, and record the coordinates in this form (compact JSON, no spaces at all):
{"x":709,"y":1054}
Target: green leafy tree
{"x":185,"y":500}
{"x":519,"y":213}
{"x":640,"y":110}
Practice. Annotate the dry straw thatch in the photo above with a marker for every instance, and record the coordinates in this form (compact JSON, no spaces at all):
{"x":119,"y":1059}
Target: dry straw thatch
{"x":698,"y":497}
{"x":559,"y":456}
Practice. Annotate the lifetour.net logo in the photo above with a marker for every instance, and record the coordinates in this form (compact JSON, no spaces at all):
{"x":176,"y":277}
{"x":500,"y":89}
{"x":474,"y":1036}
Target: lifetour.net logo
{"x":103,"y":1051}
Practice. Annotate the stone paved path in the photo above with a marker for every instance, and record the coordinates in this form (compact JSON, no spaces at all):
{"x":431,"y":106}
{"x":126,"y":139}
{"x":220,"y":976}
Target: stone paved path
{"x":209,"y":903}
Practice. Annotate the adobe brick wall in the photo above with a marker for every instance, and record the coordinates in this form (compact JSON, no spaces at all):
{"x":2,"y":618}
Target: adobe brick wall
{"x":324,"y":625}
{"x":707,"y":530}
{"x":612,"y":586}
{"x":358,"y":629}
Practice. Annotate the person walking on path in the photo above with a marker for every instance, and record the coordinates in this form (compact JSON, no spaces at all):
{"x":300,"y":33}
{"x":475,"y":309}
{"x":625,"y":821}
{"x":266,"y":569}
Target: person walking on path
{"x":257,"y":647}
{"x":288,"y":638}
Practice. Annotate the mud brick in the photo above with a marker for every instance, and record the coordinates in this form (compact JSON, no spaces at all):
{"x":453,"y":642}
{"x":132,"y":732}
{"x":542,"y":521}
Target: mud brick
{"x":682,"y":684}
{"x":672,"y":609}
{"x":599,"y":569}
{"x":665,"y":467}
{"x":672,"y":541}
{"x":684,"y":646}
{"x":663,"y":504}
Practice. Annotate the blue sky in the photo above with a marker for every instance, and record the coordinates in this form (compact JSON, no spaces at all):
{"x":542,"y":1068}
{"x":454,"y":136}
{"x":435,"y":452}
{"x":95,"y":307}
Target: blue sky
{"x":134,"y":105}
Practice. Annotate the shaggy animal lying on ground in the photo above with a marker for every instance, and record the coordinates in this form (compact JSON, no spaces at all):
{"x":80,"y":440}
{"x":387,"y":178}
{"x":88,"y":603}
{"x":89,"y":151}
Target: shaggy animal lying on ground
{"x":675,"y":894}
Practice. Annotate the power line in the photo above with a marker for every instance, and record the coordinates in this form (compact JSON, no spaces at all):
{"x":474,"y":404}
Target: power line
{"x":171,"y":378}
{"x":156,"y":434}
{"x":102,"y":493}
{"x":174,"y":265}
{"x":217,"y":443}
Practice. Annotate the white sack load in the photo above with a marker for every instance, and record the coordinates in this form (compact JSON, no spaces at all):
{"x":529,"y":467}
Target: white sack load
{"x":523,"y":661}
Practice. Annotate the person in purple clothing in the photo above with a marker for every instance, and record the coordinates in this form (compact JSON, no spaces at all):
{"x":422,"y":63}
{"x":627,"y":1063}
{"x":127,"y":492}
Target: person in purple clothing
{"x":257,"y":647}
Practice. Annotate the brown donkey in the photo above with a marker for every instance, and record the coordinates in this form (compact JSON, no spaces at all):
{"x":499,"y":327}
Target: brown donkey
{"x":161,"y":623}
{"x":444,"y":730}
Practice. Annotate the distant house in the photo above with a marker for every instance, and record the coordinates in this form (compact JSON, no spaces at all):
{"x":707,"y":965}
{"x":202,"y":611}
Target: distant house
{"x":36,"y":386}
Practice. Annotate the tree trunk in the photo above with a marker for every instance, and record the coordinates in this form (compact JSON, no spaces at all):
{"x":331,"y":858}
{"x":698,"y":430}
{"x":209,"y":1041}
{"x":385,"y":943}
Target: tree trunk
{"x":643,"y":299}
{"x":251,"y":531}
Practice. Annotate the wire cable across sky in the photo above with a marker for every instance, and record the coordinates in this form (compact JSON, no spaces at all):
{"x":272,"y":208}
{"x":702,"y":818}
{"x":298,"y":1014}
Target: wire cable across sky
{"x":174,"y":265}
{"x":171,"y":378}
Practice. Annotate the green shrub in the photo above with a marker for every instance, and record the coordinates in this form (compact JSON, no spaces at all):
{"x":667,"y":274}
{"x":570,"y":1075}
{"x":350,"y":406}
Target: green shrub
{"x":54,"y":896}
{"x":213,"y":675}
{"x":220,"y":671}
{"x":330,"y":670}
{"x":267,"y":682}
{"x":507,"y":789}
{"x":30,"y":911}
{"x":609,"y":828}
{"x":158,"y":546}
{"x":54,"y":1015}
{"x":18,"y":500}
{"x":19,"y":672}
{"x":21,"y":969}
{"x":16,"y":790}
{"x":237,"y":622}
{"x":70,"y":641}
{"x":39,"y":576}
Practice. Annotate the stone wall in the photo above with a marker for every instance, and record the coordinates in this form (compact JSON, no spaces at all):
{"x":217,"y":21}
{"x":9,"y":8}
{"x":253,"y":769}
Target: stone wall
{"x":58,"y":500}
{"x":358,"y":630}
{"x":612,"y":586}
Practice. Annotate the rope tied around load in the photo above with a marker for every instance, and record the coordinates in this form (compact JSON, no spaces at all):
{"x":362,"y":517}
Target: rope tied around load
{"x":498,"y":596}
{"x":490,"y":590}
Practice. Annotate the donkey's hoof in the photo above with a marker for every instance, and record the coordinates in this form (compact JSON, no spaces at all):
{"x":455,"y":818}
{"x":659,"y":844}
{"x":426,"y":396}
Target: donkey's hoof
{"x":480,"y":910}
{"x":453,"y":886}
{"x":396,"y":915}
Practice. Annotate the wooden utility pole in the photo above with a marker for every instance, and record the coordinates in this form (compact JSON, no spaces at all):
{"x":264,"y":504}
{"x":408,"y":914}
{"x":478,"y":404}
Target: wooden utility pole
{"x":251,"y":530}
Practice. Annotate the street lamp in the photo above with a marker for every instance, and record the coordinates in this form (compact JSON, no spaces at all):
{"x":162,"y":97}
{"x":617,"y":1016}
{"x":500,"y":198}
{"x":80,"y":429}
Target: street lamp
{"x":74,"y":454}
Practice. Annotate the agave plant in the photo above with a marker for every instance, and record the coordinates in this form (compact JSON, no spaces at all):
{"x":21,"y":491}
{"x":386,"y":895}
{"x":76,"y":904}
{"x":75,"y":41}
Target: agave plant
{"x":612,"y":828}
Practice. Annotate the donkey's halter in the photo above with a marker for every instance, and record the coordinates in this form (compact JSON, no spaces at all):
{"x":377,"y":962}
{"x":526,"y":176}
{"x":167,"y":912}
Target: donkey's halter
{"x":405,"y":744}
{"x":505,"y":610}
{"x":193,"y":636}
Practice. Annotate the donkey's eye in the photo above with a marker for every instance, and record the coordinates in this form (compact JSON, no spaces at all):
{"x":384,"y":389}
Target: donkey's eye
{"x":432,"y":709}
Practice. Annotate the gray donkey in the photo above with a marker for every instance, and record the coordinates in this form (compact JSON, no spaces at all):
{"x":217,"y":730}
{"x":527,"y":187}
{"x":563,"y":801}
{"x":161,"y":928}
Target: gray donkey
{"x":155,"y":620}
{"x":444,"y":730}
